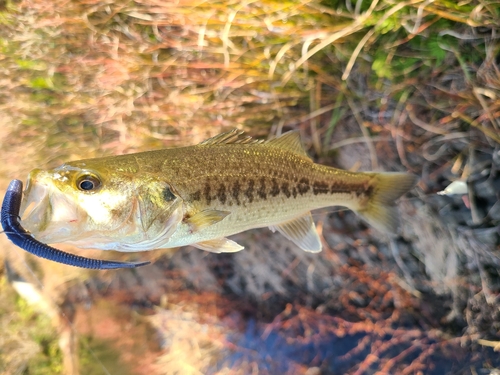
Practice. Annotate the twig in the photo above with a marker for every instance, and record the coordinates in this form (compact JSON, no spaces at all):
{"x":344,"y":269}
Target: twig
{"x":315,"y":98}
{"x":313,"y":114}
{"x":350,"y":141}
{"x":493,"y":344}
{"x":420,"y":123}
{"x":489,"y":133}
{"x":478,"y":93}
{"x":366,"y":135}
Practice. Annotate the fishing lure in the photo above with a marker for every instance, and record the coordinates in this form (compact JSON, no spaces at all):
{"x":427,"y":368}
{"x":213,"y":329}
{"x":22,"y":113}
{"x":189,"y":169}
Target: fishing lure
{"x":22,"y":238}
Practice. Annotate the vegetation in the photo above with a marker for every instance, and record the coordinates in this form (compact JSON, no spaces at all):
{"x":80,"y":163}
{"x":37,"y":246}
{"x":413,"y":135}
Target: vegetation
{"x":28,"y":342}
{"x":379,"y":84}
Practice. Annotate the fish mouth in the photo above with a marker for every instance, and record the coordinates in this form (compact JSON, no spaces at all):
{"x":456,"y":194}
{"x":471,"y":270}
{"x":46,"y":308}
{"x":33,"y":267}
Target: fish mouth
{"x":36,"y":209}
{"x":45,"y":212}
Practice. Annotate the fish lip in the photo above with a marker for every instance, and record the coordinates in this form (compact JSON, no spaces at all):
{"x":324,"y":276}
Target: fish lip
{"x":36,"y":204}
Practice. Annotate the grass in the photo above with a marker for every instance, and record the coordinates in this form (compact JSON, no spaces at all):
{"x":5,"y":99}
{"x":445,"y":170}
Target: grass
{"x":412,"y":84}
{"x":28,"y":342}
{"x":153,"y":69}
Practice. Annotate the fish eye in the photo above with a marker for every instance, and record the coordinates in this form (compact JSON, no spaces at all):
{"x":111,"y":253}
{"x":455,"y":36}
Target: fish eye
{"x":88,"y":182}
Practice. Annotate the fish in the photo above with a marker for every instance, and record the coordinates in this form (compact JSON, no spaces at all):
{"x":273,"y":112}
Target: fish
{"x":200,"y":195}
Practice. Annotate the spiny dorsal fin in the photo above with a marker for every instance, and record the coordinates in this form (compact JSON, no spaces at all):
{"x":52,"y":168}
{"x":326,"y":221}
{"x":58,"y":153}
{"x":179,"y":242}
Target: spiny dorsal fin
{"x":289,"y":141}
{"x":235,"y":136}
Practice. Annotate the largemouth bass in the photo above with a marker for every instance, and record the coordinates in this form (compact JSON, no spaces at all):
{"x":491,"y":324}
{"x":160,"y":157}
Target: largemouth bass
{"x":199,"y":195}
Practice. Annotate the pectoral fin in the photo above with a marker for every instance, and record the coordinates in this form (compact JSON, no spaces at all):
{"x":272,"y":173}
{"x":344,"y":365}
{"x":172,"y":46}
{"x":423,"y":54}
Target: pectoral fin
{"x":302,"y":232}
{"x":219,"y":245}
{"x":205,"y":219}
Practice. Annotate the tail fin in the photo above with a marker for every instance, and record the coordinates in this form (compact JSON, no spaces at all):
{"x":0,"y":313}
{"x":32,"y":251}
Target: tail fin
{"x":380,"y":211}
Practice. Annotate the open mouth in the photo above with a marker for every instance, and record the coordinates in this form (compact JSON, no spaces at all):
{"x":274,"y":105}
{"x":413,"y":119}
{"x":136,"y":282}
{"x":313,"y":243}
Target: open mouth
{"x":47,"y":213}
{"x":35,"y":208}
{"x":20,"y":237}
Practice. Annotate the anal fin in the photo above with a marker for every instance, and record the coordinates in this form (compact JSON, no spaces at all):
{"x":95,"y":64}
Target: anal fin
{"x":302,"y":232}
{"x":219,"y":245}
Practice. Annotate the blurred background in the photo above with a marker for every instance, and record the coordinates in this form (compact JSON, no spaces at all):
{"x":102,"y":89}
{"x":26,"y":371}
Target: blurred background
{"x":371,"y":85}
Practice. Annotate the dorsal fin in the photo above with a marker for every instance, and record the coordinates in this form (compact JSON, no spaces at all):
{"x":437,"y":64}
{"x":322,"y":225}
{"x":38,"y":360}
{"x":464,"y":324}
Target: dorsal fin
{"x":289,"y":141}
{"x":235,"y":136}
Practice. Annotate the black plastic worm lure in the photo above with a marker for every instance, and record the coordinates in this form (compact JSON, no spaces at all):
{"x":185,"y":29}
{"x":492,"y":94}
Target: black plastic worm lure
{"x":22,"y":238}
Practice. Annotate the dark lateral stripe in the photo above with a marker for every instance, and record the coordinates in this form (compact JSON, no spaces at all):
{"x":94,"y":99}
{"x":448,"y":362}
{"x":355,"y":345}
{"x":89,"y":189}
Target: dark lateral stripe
{"x":262,"y":188}
{"x":275,"y":188}
{"x":249,"y":191}
{"x":206,"y":192}
{"x":235,"y":192}
{"x":358,"y":189}
{"x":320,"y":187}
{"x":303,"y":186}
{"x":196,"y":196}
{"x":285,"y":189}
{"x":221,"y":193}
